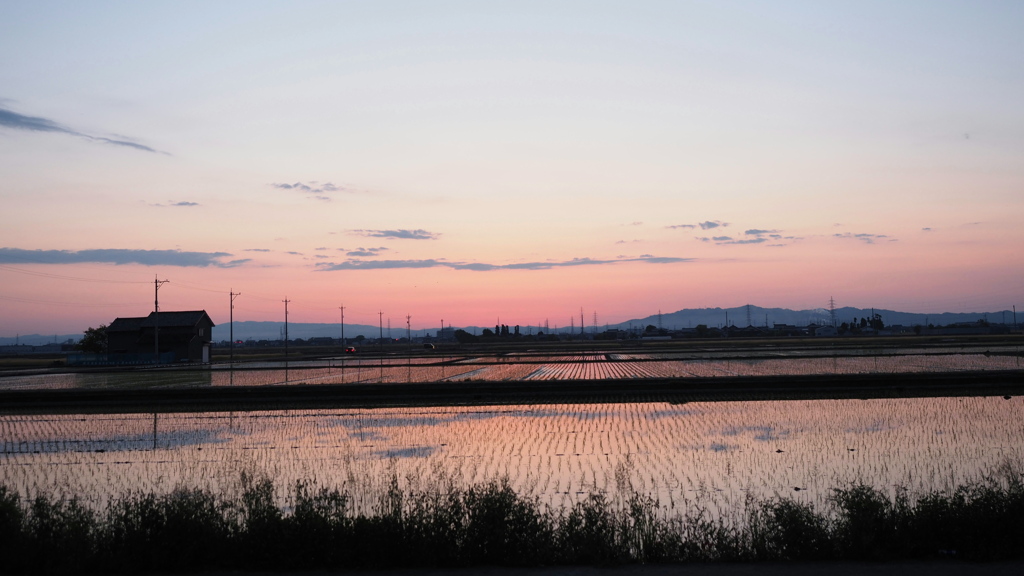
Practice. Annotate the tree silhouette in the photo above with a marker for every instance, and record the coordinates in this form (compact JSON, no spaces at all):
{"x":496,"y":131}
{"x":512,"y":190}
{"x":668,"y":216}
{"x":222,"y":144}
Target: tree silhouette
{"x":876,"y":322}
{"x":94,"y":341}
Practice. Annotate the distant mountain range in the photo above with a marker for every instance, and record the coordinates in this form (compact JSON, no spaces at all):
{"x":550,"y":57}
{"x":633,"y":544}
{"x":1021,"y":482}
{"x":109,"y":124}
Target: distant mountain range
{"x":687,"y":318}
{"x":738,"y":316}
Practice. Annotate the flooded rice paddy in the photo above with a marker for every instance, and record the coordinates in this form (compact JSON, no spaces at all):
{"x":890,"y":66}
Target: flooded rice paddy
{"x":715,"y":453}
{"x":525,"y":367}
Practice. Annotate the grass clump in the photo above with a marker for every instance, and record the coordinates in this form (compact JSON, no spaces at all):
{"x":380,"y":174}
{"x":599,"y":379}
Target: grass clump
{"x":180,"y":531}
{"x":491,"y":524}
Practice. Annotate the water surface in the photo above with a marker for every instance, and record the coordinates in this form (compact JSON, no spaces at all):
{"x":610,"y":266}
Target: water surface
{"x":718,"y":452}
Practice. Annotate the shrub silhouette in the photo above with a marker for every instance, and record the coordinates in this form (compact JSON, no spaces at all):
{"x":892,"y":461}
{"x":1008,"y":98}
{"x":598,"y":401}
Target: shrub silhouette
{"x":490,"y":524}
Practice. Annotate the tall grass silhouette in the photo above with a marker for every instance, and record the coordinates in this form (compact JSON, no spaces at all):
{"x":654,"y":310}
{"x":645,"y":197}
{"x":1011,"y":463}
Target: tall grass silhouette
{"x":491,"y":524}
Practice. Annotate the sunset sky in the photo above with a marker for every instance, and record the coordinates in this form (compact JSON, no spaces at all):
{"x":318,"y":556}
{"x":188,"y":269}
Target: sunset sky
{"x":471,"y":161}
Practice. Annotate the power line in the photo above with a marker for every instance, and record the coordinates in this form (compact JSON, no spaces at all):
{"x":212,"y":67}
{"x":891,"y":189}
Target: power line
{"x":64,"y":277}
{"x":76,"y":304}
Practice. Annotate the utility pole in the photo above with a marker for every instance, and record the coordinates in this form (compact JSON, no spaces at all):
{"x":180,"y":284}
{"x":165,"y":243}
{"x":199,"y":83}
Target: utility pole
{"x":231,"y":315}
{"x":581,"y":321}
{"x":380,"y":341}
{"x":286,"y":301}
{"x":408,"y":335}
{"x":343,"y":343}
{"x":156,"y":316}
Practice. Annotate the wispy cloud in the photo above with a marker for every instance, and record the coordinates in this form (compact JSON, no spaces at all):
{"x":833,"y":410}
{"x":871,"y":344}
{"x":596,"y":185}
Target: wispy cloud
{"x":483,"y":267}
{"x":17,"y":121}
{"x":705,"y":225}
{"x":710,"y":224}
{"x":172,"y":203}
{"x":865,"y":238}
{"x":256,"y":250}
{"x":119,"y":256}
{"x":312,"y":187}
{"x":401,"y":234}
{"x":366,"y":252}
{"x":752,"y":236}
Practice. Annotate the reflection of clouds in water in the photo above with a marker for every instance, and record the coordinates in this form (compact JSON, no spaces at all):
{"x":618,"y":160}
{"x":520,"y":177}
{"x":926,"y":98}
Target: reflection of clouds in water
{"x":762,"y":433}
{"x":367,"y":435}
{"x":876,"y":426}
{"x":123,"y":442}
{"x":604,"y":414}
{"x":385,"y":421}
{"x":413,"y":452}
{"x":671,"y":413}
{"x":388,"y":422}
{"x":713,"y":447}
{"x":371,"y":426}
{"x":584,"y":416}
{"x":520,"y":413}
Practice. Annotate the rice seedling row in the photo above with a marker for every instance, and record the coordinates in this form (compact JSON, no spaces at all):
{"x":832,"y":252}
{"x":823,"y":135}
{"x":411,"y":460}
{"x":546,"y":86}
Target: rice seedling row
{"x":573,"y":367}
{"x":717,"y":452}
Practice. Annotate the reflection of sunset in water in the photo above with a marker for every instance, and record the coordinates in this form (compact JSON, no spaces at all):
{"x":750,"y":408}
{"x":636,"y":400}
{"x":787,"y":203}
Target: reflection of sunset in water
{"x":717,"y":451}
{"x":545,"y":367}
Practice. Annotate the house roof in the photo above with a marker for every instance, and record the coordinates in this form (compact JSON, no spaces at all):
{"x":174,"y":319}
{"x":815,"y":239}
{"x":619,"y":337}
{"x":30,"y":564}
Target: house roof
{"x":182,"y":319}
{"x":126,"y":324}
{"x":188,"y":318}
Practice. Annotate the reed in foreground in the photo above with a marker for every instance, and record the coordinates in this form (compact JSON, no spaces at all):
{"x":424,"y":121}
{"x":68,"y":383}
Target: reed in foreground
{"x":490,"y":524}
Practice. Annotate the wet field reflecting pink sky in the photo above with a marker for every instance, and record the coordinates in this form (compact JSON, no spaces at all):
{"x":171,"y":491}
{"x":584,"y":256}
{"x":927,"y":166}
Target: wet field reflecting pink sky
{"x":715,"y":453}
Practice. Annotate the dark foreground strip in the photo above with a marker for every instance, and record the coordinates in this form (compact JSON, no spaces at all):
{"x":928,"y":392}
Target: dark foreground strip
{"x":478,"y":393}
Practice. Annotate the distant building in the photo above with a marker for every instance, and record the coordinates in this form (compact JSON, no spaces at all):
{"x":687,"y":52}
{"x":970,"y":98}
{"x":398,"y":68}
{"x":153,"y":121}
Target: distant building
{"x":186,"y":335}
{"x":823,"y":331}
